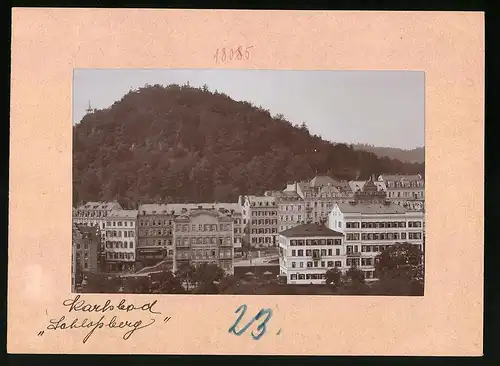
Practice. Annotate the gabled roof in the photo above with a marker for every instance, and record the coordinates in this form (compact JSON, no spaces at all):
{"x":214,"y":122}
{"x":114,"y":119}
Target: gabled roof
{"x":310,"y":230}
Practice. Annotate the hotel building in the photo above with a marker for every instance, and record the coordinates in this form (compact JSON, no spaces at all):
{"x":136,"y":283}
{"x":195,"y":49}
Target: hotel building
{"x":307,"y":251}
{"x":204,"y":236}
{"x":369,"y":228}
{"x":121,"y":234}
{"x":405,"y":190}
{"x":261,"y":216}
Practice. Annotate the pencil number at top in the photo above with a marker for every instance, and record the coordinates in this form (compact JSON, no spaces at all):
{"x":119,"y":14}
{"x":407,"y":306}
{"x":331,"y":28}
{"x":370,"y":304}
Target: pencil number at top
{"x":225,"y":54}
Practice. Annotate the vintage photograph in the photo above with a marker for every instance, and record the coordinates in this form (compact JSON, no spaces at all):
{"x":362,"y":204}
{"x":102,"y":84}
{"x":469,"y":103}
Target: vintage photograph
{"x":254,"y":182}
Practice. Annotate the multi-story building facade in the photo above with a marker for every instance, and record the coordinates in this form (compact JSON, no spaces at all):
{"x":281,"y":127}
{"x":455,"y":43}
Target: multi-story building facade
{"x":87,"y":240}
{"x":310,"y":201}
{"x":370,"y":191}
{"x":155,"y":228}
{"x":371,"y":228}
{"x":307,"y":251}
{"x":291,"y":209}
{"x":120,"y":246}
{"x":405,"y":190}
{"x":204,"y":236}
{"x":154,"y":234}
{"x":261,"y":216}
{"x":234,"y":210}
{"x":94,"y":214}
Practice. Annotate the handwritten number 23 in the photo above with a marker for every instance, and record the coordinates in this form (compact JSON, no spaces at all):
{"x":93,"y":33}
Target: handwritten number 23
{"x":261,"y":329}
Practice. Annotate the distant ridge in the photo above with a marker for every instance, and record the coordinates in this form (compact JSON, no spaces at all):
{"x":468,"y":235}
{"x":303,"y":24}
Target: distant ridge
{"x":416,"y":155}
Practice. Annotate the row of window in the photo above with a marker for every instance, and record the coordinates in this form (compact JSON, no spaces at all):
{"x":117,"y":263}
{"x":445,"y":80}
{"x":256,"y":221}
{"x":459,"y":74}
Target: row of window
{"x":301,"y":242}
{"x":321,"y":276}
{"x":119,"y":223}
{"x":317,"y":264}
{"x":264,"y":213}
{"x":204,"y":227}
{"x":382,"y":236}
{"x":91,"y":213}
{"x":154,"y":232}
{"x":263,"y":240}
{"x":404,"y":184}
{"x":155,"y":222}
{"x":203,"y":240}
{"x":264,"y":231}
{"x":204,"y":253}
{"x":415,"y":195}
{"x":120,"y":255}
{"x":324,"y":252}
{"x":376,"y":225}
{"x":265,"y":222}
{"x":285,"y":218}
{"x":119,"y":244}
{"x":118,"y":233}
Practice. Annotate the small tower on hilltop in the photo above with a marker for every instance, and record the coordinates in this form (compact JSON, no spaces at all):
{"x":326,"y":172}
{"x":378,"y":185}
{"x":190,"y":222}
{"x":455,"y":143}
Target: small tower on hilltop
{"x":89,"y":109}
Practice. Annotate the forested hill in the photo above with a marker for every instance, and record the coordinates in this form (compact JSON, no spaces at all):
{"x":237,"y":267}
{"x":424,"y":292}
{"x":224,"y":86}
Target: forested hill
{"x":416,"y":155}
{"x":179,"y":143}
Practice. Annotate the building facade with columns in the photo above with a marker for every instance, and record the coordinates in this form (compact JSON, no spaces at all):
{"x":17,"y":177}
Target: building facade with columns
{"x":204,"y":236}
{"x":369,"y":228}
{"x":121,"y":241}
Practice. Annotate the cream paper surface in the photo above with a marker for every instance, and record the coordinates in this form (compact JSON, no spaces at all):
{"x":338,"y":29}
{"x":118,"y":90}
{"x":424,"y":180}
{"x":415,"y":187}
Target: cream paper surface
{"x":47,"y":44}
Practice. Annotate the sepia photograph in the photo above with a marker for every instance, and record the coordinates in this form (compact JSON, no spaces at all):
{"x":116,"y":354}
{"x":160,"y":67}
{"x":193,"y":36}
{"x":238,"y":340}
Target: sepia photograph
{"x":250,"y":182}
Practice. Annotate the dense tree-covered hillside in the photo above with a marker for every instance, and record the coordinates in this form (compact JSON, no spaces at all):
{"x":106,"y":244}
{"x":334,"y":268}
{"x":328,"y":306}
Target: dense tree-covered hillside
{"x":179,"y":143}
{"x":416,"y":155}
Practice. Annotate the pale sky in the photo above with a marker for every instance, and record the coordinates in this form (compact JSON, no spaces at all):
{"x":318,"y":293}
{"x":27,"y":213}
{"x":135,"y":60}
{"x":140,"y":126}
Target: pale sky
{"x":381,"y":108}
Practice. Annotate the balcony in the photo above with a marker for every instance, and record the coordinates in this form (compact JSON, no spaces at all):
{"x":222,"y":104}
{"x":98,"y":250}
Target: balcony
{"x":316,"y":256}
{"x":354,"y":254}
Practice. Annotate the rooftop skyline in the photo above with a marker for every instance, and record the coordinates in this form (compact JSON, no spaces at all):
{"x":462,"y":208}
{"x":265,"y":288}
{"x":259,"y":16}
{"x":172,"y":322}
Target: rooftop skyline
{"x":381,"y":108}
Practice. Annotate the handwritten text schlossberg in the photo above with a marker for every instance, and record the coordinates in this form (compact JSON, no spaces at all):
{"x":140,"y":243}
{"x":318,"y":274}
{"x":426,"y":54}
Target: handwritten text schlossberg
{"x":77,"y":305}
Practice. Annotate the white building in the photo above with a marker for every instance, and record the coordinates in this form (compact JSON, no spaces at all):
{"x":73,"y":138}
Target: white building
{"x":405,"y":190}
{"x":370,"y":228}
{"x":121,"y":242}
{"x":307,"y":251}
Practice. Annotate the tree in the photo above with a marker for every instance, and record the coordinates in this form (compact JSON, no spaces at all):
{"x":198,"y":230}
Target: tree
{"x":400,"y":269}
{"x":334,"y":277}
{"x":169,"y":284}
{"x":186,"y":274}
{"x":190,"y":143}
{"x":228,"y":285}
{"x":101,"y":283}
{"x":401,"y":260}
{"x":354,"y":275}
{"x":208,"y":273}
